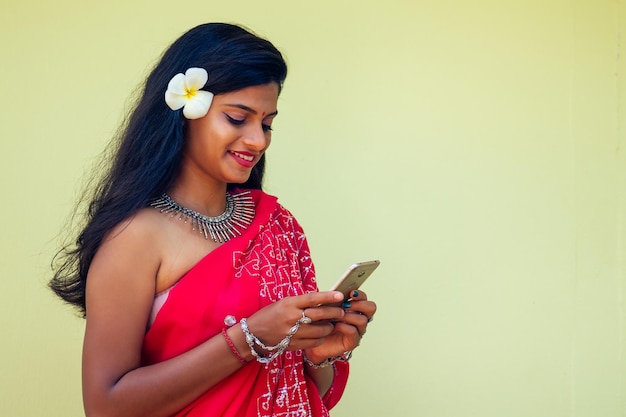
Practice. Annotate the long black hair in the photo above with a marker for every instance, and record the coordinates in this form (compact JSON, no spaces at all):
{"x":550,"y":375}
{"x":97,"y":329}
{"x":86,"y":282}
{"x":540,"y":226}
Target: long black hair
{"x":148,"y":148}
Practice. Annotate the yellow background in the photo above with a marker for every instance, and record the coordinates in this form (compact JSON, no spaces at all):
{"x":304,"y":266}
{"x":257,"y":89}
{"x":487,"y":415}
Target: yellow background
{"x":475,"y":147}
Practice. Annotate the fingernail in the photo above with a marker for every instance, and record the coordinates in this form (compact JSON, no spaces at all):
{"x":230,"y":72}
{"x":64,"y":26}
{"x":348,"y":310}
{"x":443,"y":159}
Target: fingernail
{"x":355,"y":294}
{"x":346,"y":304}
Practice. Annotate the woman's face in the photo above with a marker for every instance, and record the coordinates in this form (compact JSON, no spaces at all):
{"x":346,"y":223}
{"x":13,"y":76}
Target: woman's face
{"x":227,"y":143}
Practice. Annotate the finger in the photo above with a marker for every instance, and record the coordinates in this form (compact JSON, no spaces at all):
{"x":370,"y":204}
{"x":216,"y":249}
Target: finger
{"x":368,"y":308}
{"x":323,"y":313}
{"x":357,"y":295}
{"x":315,"y":331}
{"x":312,"y":335}
{"x":352,"y":337}
{"x":357,"y":320}
{"x":305,"y":343}
{"x":314,"y":299}
{"x":359,"y":314}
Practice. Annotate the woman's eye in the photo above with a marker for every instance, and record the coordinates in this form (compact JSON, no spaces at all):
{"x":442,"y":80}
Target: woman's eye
{"x":239,"y":122}
{"x":234,"y":121}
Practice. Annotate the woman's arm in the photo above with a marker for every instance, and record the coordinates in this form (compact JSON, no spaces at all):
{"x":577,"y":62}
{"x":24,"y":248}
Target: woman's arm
{"x":120,"y":292}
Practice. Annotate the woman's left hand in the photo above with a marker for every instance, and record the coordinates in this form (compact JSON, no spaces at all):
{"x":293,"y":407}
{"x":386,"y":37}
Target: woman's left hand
{"x":348,"y":331}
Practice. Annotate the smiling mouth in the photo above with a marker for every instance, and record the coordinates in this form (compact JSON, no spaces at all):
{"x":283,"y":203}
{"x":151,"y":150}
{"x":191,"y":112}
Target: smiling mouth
{"x":245,"y":157}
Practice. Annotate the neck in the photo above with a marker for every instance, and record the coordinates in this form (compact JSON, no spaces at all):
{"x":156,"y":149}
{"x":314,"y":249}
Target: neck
{"x":207,"y":200}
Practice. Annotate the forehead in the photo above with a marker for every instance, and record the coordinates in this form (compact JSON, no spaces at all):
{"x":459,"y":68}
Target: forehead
{"x":260,"y":98}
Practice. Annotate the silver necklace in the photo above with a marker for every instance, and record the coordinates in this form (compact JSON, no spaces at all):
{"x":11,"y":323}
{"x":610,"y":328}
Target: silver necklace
{"x":235,"y":219}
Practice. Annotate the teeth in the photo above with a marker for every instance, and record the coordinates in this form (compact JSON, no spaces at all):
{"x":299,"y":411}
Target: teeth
{"x":246,"y":157}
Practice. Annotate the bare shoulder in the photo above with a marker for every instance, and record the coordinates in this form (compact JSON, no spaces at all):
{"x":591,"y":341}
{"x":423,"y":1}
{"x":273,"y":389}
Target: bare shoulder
{"x":127,"y":262}
{"x":140,"y":228}
{"x":138,"y":237}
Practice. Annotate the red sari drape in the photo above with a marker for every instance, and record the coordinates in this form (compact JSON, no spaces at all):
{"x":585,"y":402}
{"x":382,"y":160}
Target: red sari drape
{"x":271,"y":260}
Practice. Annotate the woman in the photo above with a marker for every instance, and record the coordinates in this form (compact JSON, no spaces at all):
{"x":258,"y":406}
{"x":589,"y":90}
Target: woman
{"x":198,"y":288}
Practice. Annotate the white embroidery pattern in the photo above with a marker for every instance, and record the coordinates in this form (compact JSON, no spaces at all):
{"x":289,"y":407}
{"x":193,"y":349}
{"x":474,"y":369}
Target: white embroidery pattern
{"x":280,"y":260}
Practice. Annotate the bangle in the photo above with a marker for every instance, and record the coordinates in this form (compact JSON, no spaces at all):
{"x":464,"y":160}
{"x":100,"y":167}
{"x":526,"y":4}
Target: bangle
{"x":232,"y":347}
{"x":329,"y":361}
{"x":326,"y":362}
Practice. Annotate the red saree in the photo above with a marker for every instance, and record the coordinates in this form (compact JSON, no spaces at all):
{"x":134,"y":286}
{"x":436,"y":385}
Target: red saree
{"x":271,"y":260}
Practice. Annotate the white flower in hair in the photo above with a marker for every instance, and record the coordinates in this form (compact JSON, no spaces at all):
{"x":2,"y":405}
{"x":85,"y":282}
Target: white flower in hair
{"x":184,"y":91}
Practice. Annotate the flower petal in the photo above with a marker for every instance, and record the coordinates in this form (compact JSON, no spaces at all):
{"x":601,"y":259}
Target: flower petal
{"x":177,"y":84}
{"x":196,"y":78}
{"x":198,"y":106}
{"x":175,"y":101}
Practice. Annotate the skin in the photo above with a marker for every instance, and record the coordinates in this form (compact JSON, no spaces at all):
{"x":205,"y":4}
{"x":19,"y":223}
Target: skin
{"x":149,"y":252}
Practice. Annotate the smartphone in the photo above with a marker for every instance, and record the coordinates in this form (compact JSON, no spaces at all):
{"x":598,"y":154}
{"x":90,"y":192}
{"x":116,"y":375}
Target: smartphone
{"x":354,"y":277}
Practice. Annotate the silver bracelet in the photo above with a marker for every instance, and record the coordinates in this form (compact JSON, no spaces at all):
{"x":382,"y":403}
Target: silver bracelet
{"x":329,"y":361}
{"x":277,"y":350}
{"x":326,"y":362}
{"x":281,"y":345}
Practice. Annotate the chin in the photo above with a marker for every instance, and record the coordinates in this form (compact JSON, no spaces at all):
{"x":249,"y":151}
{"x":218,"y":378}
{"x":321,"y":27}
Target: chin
{"x":239,"y":179}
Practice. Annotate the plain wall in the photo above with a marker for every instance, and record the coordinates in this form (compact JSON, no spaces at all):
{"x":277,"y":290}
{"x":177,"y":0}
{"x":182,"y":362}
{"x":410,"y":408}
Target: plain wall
{"x":475,"y":147}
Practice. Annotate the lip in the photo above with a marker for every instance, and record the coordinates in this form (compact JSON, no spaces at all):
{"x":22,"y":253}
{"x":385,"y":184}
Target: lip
{"x":243,"y":158}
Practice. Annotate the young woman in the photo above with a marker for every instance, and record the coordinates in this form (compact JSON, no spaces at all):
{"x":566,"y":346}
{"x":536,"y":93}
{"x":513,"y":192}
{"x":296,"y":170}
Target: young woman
{"x":197,"y":287}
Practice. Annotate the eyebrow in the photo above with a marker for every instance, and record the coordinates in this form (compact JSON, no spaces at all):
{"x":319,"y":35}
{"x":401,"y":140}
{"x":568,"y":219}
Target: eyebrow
{"x":249,"y":109}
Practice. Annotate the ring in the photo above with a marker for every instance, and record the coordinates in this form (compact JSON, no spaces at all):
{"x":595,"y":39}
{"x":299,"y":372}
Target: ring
{"x":370,"y":319}
{"x":305,"y":319}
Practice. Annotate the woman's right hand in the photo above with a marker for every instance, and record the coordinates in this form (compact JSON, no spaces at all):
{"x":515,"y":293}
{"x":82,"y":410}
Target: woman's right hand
{"x":272,"y":323}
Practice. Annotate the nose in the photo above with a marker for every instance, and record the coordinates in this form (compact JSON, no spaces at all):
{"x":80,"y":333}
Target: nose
{"x":256,"y":138}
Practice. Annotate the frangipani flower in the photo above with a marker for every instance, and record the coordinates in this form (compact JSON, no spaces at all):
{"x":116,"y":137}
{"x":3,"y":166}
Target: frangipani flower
{"x":184,"y":91}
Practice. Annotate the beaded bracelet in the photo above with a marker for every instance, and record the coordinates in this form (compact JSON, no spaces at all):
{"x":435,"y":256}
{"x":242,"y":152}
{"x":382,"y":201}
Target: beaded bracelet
{"x":232,"y":347}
